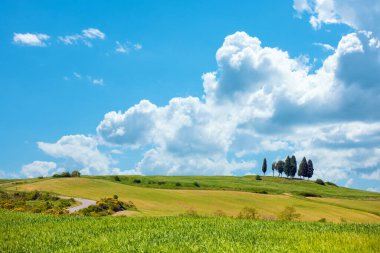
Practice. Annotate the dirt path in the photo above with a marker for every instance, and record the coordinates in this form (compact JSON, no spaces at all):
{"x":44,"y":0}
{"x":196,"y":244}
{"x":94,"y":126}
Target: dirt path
{"x":84,"y":203}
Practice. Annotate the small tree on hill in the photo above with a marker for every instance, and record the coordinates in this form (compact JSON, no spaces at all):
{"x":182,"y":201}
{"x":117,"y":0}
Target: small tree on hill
{"x":273,"y":167}
{"x":264,"y":167}
{"x":287,"y":166}
{"x":293,"y":166}
{"x":310,"y":169}
{"x":303,"y":168}
{"x":75,"y":173}
{"x":280,"y":166}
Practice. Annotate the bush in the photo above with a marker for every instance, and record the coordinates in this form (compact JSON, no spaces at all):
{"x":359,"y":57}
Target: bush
{"x":248,"y":213}
{"x":196,"y":184}
{"x":220,"y":213}
{"x":117,"y":178}
{"x":40,"y":177}
{"x":331,"y":183}
{"x":63,"y":174}
{"x":319,"y":181}
{"x":137,"y":181}
{"x":107,"y":206}
{"x":190,"y":213}
{"x":308,"y":194}
{"x":161,"y":183}
{"x":178,"y":184}
{"x":289,"y":214}
{"x":258,"y":177}
{"x":75,"y":173}
{"x":323,"y":220}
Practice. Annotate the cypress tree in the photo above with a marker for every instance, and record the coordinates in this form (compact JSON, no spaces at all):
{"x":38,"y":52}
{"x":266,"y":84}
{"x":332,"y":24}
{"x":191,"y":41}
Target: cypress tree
{"x":280,"y":166}
{"x":310,"y":169}
{"x":293,"y":163}
{"x":273,"y":167}
{"x":287,"y":166}
{"x":304,"y":167}
{"x":264,"y":167}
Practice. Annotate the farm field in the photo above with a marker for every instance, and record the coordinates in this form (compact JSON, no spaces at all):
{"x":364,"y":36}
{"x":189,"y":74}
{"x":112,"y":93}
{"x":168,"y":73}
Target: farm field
{"x":24,"y":232}
{"x":172,"y":202}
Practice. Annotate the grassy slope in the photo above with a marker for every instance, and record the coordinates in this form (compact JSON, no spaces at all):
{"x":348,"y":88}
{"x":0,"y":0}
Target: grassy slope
{"x":273,"y":185}
{"x":23,"y":232}
{"x":159,"y":202}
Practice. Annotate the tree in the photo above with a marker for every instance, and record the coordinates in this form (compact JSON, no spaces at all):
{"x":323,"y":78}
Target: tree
{"x":273,"y":167}
{"x":293,"y":166}
{"x":302,"y":167}
{"x":280,"y":166}
{"x":287,"y":166}
{"x":302,"y":171}
{"x":264,"y":167}
{"x":310,"y":169}
{"x":75,"y":173}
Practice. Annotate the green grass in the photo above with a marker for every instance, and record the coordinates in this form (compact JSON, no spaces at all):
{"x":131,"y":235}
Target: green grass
{"x":169,"y":202}
{"x":23,"y":232}
{"x":268,"y":184}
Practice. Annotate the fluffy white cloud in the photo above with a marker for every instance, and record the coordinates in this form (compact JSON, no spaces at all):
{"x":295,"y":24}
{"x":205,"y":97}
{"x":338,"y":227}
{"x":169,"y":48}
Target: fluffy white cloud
{"x":40,"y":168}
{"x":81,"y":149}
{"x":261,"y":100}
{"x":85,"y":37}
{"x":361,"y":15}
{"x":375,"y":175}
{"x":31,"y":39}
{"x":325,"y":46}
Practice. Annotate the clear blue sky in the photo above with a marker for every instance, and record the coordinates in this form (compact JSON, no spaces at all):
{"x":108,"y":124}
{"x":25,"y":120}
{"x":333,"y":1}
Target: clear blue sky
{"x":159,"y":50}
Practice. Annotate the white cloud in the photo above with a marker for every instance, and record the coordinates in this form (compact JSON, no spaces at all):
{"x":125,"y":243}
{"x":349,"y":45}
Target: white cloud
{"x":81,"y":149}
{"x":325,"y":46}
{"x":85,"y":37}
{"x":360,"y":15}
{"x":99,"y":81}
{"x":373,"y":189}
{"x":349,"y":182}
{"x":31,"y":39}
{"x":375,"y":175}
{"x":258,"y":101}
{"x":93,"y":33}
{"x":40,"y":168}
{"x":125,"y":48}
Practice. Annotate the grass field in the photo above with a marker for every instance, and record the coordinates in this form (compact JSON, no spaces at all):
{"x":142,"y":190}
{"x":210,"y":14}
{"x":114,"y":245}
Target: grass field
{"x":164,"y":202}
{"x":23,"y":232}
{"x":269,"y":184}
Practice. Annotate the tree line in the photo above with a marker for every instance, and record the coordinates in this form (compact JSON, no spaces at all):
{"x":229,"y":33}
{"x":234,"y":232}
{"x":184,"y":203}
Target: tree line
{"x":289,"y":167}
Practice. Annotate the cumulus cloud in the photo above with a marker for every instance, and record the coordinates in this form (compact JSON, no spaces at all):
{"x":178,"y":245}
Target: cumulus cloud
{"x":85,"y":37}
{"x":375,"y":175}
{"x":81,"y":149}
{"x":261,"y":100}
{"x":40,"y":168}
{"x":325,"y":46}
{"x":31,"y":39}
{"x":360,"y":15}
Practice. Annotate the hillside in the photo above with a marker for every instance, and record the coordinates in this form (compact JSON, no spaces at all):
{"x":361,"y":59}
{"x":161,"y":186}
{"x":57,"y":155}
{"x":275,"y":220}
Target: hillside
{"x":168,"y":202}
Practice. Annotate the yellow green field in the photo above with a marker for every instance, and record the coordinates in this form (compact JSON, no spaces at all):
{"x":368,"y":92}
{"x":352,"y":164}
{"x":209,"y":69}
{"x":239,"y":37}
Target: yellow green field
{"x":169,"y":202}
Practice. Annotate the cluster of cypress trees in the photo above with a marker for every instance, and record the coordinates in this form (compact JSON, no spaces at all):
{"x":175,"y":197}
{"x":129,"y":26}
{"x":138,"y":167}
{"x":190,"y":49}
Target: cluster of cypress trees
{"x":289,"y":167}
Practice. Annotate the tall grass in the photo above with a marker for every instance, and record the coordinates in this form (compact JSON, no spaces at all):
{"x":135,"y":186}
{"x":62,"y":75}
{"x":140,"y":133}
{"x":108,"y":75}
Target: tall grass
{"x":23,"y":232}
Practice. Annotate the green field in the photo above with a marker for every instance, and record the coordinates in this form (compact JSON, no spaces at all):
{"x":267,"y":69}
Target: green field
{"x":23,"y":232}
{"x":171,"y":202}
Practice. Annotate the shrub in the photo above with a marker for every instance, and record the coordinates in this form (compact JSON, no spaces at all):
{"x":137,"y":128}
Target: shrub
{"x":40,"y":177}
{"x":115,"y":196}
{"x":220,"y":213}
{"x":323,"y":220}
{"x":248,"y":213}
{"x":63,"y":174}
{"x":178,"y":184}
{"x":107,"y":206}
{"x":161,"y":183}
{"x":137,"y":181}
{"x":75,"y":173}
{"x":258,"y":177}
{"x":117,"y":178}
{"x":308,"y":194}
{"x":196,"y":184}
{"x":190,"y":213}
{"x":331,"y":183}
{"x":319,"y":181}
{"x":289,"y":214}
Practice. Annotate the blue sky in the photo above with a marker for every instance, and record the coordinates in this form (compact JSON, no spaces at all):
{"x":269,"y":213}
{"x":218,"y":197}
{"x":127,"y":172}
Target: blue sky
{"x":204,"y":87}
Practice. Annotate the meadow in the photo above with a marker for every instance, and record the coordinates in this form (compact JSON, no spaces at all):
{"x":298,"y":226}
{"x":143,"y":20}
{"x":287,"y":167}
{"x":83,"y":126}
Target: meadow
{"x":173,"y":202}
{"x":24,"y":232}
